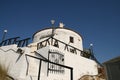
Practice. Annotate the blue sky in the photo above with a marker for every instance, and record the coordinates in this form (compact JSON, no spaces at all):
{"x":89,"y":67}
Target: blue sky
{"x":98,"y":21}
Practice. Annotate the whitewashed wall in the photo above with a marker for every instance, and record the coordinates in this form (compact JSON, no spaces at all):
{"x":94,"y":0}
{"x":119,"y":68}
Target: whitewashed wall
{"x":9,"y":58}
{"x":81,"y":65}
{"x":62,"y":35}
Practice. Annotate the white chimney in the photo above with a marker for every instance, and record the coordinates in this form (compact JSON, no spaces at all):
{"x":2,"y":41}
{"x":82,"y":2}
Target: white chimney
{"x":61,"y":25}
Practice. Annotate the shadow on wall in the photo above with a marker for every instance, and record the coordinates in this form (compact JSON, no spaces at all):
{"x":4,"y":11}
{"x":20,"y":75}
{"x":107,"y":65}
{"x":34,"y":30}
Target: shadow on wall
{"x":4,"y":73}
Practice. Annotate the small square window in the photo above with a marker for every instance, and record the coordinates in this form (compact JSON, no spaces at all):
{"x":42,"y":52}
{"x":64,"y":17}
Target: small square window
{"x":71,"y":39}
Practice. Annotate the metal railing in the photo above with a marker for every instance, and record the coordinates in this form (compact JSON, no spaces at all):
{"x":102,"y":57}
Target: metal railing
{"x":20,"y":43}
{"x":56,"y":58}
{"x":40,"y":66}
{"x":55,"y":42}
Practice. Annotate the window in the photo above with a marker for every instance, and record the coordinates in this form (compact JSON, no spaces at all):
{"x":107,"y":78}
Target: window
{"x":71,"y":39}
{"x":58,"y":59}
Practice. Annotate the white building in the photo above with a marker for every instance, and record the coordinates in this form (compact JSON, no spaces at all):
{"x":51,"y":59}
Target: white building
{"x":54,"y":54}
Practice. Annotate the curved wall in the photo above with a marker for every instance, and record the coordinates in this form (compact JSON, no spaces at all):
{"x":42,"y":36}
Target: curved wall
{"x":65,"y":35}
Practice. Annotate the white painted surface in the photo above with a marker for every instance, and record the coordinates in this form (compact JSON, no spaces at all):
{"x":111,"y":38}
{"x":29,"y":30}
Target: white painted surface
{"x":81,"y":66}
{"x":62,"y":35}
{"x":8,"y":57}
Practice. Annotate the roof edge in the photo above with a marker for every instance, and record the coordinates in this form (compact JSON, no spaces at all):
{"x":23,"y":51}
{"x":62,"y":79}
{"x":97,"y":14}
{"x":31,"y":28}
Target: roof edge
{"x":57,"y":28}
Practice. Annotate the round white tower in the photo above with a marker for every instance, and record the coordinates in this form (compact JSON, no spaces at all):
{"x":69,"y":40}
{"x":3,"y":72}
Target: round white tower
{"x":64,"y":35}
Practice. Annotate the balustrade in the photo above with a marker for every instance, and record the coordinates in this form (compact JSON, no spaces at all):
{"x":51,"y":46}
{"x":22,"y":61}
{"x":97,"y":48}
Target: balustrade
{"x":20,"y":43}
